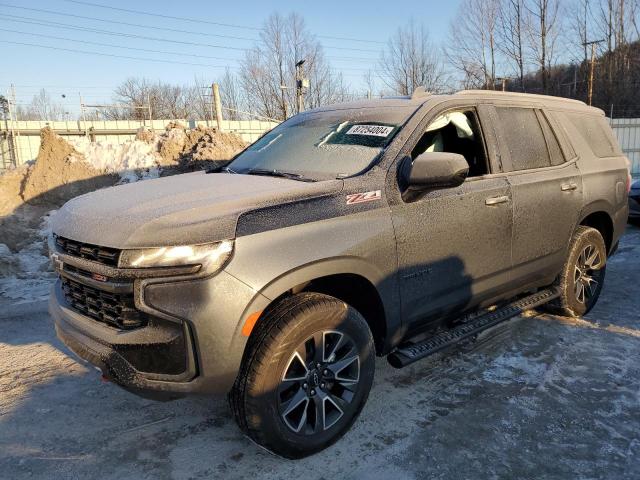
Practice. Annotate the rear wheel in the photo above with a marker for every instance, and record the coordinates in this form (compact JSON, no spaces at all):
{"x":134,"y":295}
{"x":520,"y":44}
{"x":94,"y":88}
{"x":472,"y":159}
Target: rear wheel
{"x":306,"y":376}
{"x":583,"y":274}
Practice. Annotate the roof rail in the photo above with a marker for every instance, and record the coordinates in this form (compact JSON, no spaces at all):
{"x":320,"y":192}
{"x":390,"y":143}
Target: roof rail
{"x":420,"y":92}
{"x":518,"y":94}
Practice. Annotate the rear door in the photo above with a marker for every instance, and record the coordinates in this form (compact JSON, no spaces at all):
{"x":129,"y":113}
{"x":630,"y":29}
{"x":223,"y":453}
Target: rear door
{"x":547,"y":193}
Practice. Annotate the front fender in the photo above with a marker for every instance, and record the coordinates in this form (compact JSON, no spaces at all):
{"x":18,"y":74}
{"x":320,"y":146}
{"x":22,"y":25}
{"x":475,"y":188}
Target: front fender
{"x":275,"y":261}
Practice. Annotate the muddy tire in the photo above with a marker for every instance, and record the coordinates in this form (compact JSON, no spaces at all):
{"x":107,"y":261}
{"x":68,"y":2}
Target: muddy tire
{"x":306,"y":375}
{"x":583,"y":274}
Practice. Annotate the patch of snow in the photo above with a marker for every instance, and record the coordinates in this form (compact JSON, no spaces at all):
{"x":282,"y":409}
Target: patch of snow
{"x":507,"y":367}
{"x":28,"y":274}
{"x":125,"y":159}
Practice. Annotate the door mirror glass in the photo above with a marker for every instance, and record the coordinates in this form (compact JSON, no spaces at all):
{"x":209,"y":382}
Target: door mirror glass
{"x":433,"y":170}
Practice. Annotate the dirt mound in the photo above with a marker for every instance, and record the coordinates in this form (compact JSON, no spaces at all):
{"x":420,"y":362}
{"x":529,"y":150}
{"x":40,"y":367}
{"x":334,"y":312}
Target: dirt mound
{"x":216,"y":146}
{"x":60,"y":174}
{"x":145,"y":135}
{"x":10,"y":188}
{"x":188,"y":148}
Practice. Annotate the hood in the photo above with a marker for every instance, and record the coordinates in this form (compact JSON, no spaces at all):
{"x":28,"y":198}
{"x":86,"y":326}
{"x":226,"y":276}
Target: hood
{"x":179,"y":210}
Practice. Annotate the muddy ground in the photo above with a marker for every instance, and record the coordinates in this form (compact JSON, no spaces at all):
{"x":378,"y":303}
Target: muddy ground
{"x":538,"y":397}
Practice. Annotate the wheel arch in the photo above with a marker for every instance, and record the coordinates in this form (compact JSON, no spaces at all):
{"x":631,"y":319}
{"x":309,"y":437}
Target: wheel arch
{"x":351,"y":280}
{"x":597,"y":216}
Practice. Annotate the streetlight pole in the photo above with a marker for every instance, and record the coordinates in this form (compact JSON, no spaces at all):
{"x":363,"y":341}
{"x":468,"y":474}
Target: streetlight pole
{"x":301,"y":84}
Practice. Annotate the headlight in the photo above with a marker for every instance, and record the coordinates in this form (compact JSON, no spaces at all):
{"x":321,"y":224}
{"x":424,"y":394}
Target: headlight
{"x":210,"y":256}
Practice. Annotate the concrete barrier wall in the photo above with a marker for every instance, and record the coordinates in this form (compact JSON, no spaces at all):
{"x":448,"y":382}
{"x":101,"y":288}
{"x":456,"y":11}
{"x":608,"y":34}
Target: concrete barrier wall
{"x":27,"y":133}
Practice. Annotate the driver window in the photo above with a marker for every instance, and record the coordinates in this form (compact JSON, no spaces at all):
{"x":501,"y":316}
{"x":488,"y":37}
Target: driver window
{"x":455,"y":132}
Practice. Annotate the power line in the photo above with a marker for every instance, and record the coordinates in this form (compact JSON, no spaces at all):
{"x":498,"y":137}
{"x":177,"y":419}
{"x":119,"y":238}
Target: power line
{"x":117,"y":22}
{"x":170,"y":17}
{"x":48,"y":23}
{"x":52,"y":24}
{"x":199,"y":20}
{"x":111,"y":45}
{"x":60,"y":86}
{"x":113,"y":55}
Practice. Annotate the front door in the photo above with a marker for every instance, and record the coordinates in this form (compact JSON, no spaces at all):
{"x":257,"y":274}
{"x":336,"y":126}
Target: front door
{"x":454,"y":245}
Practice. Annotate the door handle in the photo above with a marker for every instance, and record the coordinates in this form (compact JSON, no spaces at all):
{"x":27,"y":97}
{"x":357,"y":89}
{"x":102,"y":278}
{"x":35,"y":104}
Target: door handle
{"x":496,"y":200}
{"x":567,"y":187}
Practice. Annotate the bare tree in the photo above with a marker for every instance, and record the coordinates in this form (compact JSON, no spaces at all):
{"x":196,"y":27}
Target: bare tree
{"x":267,"y":73}
{"x":42,"y":107}
{"x":231,"y":96}
{"x":137,"y":98}
{"x":410,"y":60}
{"x":511,"y":35}
{"x":472,"y":42}
{"x":543,"y":30}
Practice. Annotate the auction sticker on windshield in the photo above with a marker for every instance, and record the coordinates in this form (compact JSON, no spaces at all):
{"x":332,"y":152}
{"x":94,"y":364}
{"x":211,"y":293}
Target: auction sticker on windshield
{"x":370,"y":130}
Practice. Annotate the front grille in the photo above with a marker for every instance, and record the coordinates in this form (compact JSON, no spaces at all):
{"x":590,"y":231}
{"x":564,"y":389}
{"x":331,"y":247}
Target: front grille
{"x":117,"y":310}
{"x":104,"y":255}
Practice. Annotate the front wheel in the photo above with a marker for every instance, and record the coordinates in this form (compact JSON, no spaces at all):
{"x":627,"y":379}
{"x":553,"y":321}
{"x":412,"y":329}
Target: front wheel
{"x":583,"y":274}
{"x":306,"y":375}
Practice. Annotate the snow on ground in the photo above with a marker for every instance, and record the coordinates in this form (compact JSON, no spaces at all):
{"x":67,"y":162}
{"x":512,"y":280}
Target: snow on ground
{"x":132,"y":160}
{"x":538,"y":397}
{"x":27,"y":275}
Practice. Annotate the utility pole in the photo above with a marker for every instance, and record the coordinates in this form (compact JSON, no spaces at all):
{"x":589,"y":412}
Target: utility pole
{"x":15,"y":130}
{"x":215,"y":90}
{"x":593,"y":44}
{"x":5,"y":108}
{"x":150,"y":111}
{"x":301,"y":84}
{"x":84,"y":115}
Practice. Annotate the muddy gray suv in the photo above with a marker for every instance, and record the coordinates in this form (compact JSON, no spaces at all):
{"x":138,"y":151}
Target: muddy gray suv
{"x":395,"y":227}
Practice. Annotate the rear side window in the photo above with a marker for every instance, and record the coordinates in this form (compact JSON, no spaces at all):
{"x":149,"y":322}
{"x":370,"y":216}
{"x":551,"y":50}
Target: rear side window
{"x":557,"y":158}
{"x":596,"y":132}
{"x":523,"y":137}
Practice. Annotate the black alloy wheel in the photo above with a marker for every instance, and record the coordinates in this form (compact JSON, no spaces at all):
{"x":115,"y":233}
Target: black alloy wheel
{"x":319,"y":382}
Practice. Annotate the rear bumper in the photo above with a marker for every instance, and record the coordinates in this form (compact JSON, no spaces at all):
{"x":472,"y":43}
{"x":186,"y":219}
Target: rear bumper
{"x":206,"y":313}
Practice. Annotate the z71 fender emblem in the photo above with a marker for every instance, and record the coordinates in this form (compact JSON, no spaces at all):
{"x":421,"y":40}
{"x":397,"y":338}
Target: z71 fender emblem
{"x":364,"y":197}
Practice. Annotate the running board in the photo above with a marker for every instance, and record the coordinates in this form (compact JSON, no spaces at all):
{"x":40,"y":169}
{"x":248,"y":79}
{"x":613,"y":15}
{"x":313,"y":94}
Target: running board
{"x":472,"y":325}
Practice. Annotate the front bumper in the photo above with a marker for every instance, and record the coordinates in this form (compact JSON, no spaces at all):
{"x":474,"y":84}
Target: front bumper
{"x":205,"y":314}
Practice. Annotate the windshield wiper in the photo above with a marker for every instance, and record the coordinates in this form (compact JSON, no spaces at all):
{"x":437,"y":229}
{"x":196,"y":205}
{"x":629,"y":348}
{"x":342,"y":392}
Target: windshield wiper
{"x":279,"y":173}
{"x":220,"y":169}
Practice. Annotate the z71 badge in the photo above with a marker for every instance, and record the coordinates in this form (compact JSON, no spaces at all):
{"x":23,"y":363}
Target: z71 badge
{"x":364,"y":197}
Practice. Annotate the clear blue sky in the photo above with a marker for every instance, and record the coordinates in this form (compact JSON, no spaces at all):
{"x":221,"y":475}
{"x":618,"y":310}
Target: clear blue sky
{"x":66,"y":72}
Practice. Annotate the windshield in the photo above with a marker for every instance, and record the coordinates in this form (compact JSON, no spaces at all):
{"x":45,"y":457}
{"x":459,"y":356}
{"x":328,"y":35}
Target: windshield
{"x":326,"y":144}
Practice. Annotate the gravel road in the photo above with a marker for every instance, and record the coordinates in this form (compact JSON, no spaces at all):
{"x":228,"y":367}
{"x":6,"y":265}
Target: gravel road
{"x":537,"y":397}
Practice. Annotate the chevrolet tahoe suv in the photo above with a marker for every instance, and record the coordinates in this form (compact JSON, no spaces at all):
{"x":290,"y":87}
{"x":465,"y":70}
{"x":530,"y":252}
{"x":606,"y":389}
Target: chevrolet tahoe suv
{"x":391,"y":227}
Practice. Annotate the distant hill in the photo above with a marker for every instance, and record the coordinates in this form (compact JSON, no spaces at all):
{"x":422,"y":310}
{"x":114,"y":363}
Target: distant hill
{"x":616,"y":81}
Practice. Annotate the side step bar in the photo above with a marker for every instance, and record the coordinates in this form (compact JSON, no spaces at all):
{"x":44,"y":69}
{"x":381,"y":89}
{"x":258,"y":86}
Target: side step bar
{"x":472,"y":325}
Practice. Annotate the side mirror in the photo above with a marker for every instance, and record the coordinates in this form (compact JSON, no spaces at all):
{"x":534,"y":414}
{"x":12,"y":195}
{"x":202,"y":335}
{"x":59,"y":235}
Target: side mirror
{"x":433,"y":170}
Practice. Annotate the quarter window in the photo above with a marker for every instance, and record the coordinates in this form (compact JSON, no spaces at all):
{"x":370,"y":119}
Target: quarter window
{"x":596,"y":133}
{"x":523,"y":137}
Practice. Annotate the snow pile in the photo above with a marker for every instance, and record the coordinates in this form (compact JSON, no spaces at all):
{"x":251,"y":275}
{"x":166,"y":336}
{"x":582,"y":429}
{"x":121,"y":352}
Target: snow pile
{"x":132,"y":161}
{"x":67,"y":168}
{"x":26,"y":276}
